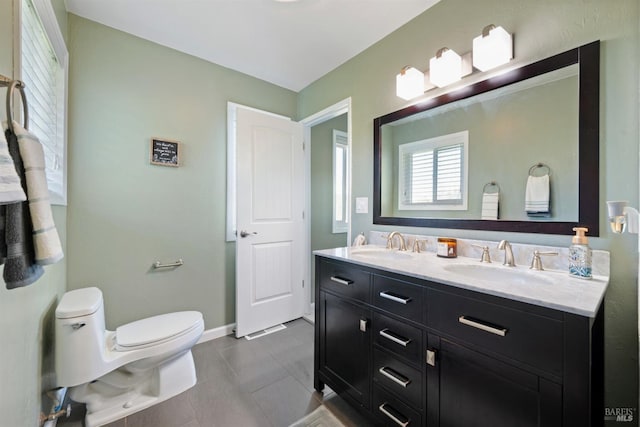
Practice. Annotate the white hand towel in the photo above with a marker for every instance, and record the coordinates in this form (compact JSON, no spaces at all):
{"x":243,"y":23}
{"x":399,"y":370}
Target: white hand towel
{"x":536,"y":199}
{"x":490,"y":205}
{"x":46,"y":241}
{"x":10,"y":189}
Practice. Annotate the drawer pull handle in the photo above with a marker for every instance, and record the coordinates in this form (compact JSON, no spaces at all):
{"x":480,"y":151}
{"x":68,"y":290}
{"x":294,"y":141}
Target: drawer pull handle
{"x":395,"y":297}
{"x":394,"y":418}
{"x":494,"y":329}
{"x":342,"y":281}
{"x":395,"y":338}
{"x":394,"y":376}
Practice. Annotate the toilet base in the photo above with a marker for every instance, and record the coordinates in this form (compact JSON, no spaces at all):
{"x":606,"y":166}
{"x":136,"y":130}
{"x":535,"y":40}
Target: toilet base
{"x":107,"y":402}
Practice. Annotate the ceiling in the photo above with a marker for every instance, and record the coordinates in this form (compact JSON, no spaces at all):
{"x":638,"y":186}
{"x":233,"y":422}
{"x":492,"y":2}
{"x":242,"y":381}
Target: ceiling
{"x":288,"y":43}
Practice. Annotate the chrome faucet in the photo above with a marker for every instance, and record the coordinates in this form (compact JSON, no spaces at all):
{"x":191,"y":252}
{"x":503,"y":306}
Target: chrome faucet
{"x":508,"y":253}
{"x":402,"y":246}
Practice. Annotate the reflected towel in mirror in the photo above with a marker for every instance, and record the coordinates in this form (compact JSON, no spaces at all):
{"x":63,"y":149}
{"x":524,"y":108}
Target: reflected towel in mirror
{"x":536,"y":201}
{"x":490,"y":205}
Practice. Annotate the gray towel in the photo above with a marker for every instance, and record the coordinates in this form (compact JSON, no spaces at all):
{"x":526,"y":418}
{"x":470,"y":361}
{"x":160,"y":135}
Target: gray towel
{"x":20,"y":268}
{"x":10,"y":189}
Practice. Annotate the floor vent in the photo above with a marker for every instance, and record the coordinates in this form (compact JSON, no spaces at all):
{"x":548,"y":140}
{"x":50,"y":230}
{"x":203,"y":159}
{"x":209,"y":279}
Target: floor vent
{"x":265,"y":332}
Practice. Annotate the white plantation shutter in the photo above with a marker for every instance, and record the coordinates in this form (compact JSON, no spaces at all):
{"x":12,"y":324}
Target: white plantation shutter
{"x":44,"y":75}
{"x":340,"y":177}
{"x":449,"y":178}
{"x":432,"y":173}
{"x":419,"y":180}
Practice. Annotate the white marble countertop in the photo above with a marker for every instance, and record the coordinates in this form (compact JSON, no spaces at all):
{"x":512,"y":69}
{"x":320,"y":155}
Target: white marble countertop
{"x":552,"y":289}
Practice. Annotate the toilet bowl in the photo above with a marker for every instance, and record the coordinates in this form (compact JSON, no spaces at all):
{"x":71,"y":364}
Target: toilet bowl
{"x":117,"y":373}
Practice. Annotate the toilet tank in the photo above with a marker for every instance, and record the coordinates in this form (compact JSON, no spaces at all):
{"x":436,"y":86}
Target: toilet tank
{"x":80,"y":337}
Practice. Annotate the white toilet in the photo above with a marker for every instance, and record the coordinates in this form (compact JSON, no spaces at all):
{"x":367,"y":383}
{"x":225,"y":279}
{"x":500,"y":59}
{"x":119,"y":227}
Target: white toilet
{"x":118,"y":373}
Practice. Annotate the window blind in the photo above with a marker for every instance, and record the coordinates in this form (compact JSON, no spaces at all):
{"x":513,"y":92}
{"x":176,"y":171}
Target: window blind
{"x":432,"y":175}
{"x":44,"y":79}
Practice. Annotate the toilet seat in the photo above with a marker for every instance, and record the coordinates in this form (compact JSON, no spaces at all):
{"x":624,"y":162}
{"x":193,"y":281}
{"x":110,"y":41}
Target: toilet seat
{"x":156,"y":330}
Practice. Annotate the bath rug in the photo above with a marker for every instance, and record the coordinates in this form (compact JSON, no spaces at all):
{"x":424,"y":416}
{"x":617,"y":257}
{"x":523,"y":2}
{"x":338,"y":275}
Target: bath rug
{"x":321,"y":417}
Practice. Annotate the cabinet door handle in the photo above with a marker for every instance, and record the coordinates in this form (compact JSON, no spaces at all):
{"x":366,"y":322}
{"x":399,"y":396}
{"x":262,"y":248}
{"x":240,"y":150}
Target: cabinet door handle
{"x":363,"y":325}
{"x":394,"y":297}
{"x":394,"y":376}
{"x":342,"y":281}
{"x":392,"y":337}
{"x":494,"y":329}
{"x":394,"y":418}
{"x":431,"y":357}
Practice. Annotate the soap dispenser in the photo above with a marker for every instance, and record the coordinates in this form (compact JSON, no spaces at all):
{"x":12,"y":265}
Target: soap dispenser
{"x":580,"y":254}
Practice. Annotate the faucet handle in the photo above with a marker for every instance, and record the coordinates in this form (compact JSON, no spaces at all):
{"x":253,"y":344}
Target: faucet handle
{"x":416,"y":245}
{"x":485,"y":257}
{"x":536,"y":262}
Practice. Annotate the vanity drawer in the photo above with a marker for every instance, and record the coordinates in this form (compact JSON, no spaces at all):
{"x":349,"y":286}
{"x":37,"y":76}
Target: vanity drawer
{"x":527,"y":337}
{"x":398,"y":377}
{"x":391,"y":411}
{"x":398,"y":337}
{"x":345,"y":279}
{"x":398,"y":297}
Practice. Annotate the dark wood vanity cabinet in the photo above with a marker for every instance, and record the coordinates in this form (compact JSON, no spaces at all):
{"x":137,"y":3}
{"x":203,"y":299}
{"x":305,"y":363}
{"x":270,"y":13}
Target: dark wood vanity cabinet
{"x":344,"y":360}
{"x":410,"y":352}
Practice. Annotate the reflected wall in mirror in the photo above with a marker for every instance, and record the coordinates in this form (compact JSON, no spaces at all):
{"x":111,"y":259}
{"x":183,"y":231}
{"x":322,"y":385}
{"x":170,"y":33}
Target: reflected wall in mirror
{"x":546,"y":112}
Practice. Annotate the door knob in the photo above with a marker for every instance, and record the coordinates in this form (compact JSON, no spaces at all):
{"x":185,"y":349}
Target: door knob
{"x":246,"y":233}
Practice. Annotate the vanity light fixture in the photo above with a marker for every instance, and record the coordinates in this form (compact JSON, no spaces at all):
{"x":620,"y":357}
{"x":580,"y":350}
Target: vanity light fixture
{"x":445,"y":68}
{"x":409,"y":83}
{"x":491,"y":49}
{"x":494,"y":47}
{"x":622,"y":217}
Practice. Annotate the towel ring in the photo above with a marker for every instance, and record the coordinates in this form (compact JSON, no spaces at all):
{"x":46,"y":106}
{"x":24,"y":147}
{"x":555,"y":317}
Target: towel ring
{"x":491,"y":184}
{"x":537,"y":166}
{"x":20,"y":85}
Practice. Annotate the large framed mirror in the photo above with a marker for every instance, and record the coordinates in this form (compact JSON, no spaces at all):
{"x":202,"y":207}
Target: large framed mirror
{"x":540,"y":119}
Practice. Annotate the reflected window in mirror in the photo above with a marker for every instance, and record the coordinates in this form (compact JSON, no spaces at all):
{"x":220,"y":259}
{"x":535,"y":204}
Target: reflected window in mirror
{"x":433,"y":173}
{"x":340,"y":162}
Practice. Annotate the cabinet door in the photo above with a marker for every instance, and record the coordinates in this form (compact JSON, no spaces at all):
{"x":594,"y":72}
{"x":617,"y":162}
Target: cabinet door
{"x":345,"y":339}
{"x":469,"y":389}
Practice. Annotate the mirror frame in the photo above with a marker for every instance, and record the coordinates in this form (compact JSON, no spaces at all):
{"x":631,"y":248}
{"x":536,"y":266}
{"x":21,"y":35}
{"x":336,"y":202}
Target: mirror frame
{"x":588,"y":58}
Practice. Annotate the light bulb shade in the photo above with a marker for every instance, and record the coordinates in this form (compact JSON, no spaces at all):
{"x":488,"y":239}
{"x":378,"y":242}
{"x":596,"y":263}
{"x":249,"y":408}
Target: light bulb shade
{"x":492,"y":48}
{"x":445,"y":68}
{"x":409,"y":83}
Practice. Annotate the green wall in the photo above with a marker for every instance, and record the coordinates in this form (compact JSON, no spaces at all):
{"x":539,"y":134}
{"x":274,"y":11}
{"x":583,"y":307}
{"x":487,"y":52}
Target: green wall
{"x":27,"y":314}
{"x":125,"y":213}
{"x":541,"y":28}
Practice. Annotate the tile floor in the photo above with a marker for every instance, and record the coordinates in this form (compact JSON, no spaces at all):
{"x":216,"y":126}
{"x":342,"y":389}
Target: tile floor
{"x":265,"y":382}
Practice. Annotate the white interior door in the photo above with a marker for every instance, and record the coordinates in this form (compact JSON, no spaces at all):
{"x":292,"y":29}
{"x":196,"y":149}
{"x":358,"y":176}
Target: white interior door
{"x":269,"y":221}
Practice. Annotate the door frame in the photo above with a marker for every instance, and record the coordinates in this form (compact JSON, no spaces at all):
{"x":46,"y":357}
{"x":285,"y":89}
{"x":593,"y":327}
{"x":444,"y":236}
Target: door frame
{"x":322,"y":116}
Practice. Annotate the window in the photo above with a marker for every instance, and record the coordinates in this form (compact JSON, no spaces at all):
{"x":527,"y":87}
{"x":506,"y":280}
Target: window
{"x":44,"y":70}
{"x":340,"y":162}
{"x":433,"y":173}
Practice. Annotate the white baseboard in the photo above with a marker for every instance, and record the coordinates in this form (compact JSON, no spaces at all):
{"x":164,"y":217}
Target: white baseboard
{"x":310,"y":317}
{"x":212,"y":334}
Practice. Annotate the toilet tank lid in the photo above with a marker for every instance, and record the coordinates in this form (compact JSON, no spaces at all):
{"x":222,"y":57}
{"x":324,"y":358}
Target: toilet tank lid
{"x":79,"y":302}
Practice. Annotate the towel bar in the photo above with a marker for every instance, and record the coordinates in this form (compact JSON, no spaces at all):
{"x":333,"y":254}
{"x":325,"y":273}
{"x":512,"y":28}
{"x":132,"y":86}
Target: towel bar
{"x":539,"y":166}
{"x":158,"y":264}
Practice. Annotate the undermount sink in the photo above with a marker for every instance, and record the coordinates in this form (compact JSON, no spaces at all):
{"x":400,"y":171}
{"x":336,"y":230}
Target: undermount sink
{"x":376,"y":252}
{"x":514,"y":275}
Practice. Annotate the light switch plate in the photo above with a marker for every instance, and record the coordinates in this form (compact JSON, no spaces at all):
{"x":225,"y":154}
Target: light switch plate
{"x":362,"y":205}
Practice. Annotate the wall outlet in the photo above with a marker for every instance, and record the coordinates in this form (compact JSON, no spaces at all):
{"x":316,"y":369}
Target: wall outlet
{"x":362,"y":205}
